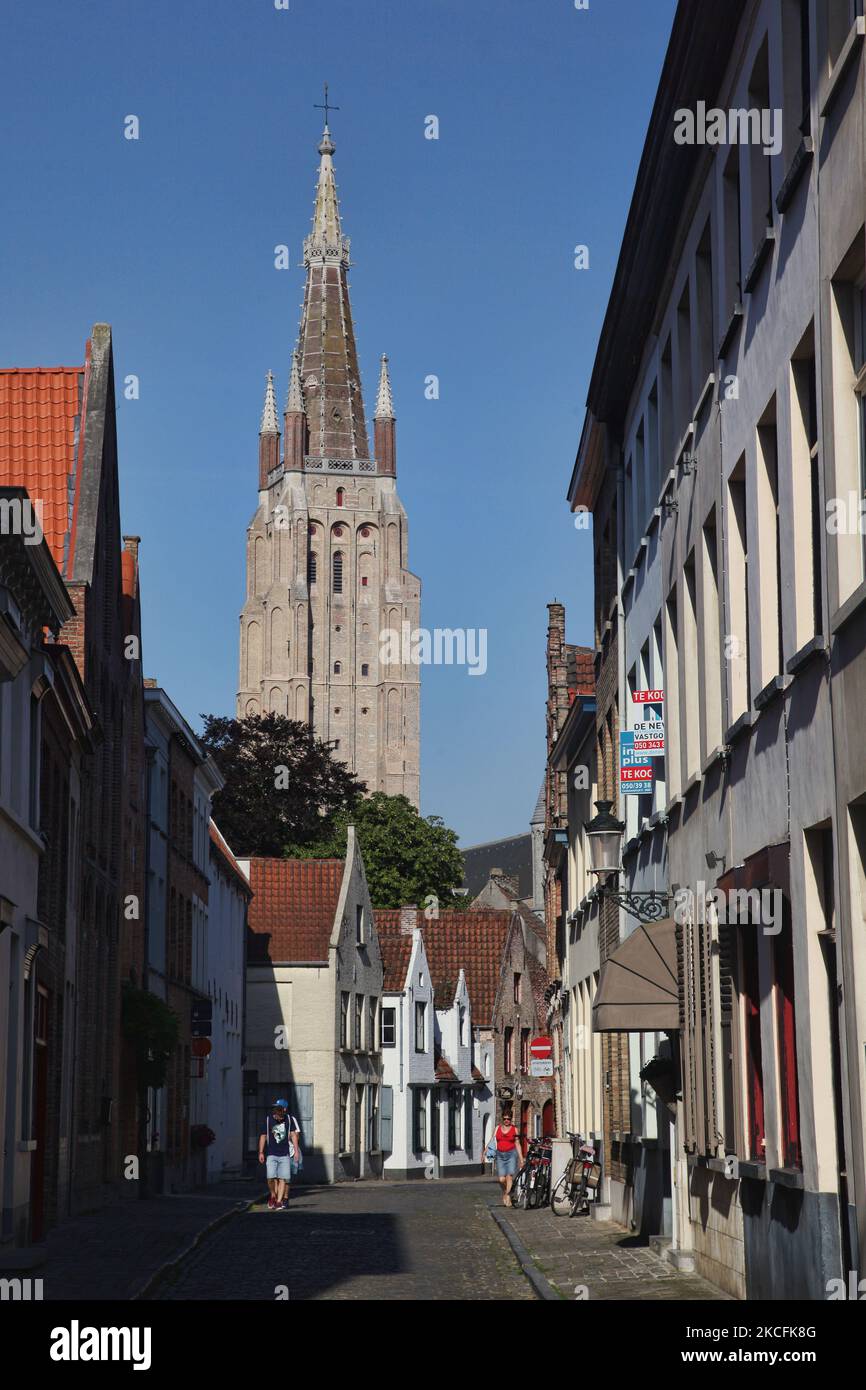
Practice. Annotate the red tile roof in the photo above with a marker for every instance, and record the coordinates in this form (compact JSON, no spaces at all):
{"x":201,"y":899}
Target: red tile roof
{"x":471,"y":941}
{"x":292,"y":912}
{"x":396,"y":948}
{"x":38,"y":414}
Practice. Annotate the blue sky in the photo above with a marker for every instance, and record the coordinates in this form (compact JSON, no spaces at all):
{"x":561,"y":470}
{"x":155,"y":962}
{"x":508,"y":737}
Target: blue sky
{"x":463,"y":252}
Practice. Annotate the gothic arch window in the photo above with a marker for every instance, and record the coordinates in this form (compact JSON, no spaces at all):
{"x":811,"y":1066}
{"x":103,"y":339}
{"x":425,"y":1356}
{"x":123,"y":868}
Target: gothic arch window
{"x":337,"y":668}
{"x":341,"y":496}
{"x":393,"y":717}
{"x":254,"y":654}
{"x":365,"y":669}
{"x":338,"y":571}
{"x":260,"y":582}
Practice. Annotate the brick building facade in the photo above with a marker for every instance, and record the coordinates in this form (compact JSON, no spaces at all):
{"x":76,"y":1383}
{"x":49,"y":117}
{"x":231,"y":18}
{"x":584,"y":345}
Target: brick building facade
{"x":58,"y":439}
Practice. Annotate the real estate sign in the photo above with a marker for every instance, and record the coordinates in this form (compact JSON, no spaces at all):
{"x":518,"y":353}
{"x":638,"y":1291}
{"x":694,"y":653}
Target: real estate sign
{"x":635,"y":768}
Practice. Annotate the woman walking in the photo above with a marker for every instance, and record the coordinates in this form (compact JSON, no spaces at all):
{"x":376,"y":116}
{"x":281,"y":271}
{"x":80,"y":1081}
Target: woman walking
{"x":509,"y":1154}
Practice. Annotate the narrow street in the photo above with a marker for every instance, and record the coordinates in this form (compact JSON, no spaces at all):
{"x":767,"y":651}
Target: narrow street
{"x":416,"y":1240}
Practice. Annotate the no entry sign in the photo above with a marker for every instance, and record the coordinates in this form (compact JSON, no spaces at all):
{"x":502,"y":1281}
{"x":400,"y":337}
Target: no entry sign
{"x":541,"y":1048}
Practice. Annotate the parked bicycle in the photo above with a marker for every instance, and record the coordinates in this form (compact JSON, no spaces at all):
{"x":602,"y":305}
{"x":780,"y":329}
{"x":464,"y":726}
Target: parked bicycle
{"x":576,"y":1188}
{"x":532,"y":1184}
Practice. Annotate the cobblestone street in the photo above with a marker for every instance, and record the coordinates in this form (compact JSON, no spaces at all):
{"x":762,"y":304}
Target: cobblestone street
{"x":419,"y":1240}
{"x":601,"y":1258}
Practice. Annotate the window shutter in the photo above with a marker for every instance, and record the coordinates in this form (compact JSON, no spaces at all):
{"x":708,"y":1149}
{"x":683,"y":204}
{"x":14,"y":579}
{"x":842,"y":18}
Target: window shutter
{"x":302,"y":1109}
{"x":712,"y":1032}
{"x":386,"y":1116}
{"x":727,"y":967}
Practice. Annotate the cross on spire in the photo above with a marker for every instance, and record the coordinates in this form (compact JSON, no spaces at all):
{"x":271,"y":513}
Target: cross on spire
{"x":326,"y":107}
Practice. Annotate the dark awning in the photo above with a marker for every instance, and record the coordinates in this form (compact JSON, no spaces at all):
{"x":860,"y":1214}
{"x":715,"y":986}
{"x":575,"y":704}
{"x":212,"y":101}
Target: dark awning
{"x":637,"y":991}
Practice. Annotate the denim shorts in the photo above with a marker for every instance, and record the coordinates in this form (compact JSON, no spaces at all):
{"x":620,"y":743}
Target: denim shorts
{"x":279,"y":1167}
{"x":506,"y":1163}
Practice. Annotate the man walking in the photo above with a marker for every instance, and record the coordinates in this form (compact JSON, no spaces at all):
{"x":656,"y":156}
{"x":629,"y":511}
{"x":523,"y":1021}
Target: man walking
{"x":279,"y":1145}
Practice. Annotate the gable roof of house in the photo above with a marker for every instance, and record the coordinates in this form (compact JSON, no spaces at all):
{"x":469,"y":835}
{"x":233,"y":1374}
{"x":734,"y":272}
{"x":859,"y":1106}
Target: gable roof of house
{"x":471,"y":941}
{"x":293,"y":909}
{"x":510,"y":891}
{"x":396,"y":948}
{"x":57,"y":436}
{"x":40,"y":410}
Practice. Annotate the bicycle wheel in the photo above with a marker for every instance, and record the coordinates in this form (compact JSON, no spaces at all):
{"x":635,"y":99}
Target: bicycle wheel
{"x":578,"y":1198}
{"x":533,"y":1191}
{"x":518,"y":1190}
{"x":544,"y":1186}
{"x":561,"y":1198}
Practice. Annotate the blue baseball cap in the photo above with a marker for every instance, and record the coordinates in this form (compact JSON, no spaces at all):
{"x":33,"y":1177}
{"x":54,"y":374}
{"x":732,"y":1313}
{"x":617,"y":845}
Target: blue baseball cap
{"x":280,"y":1105}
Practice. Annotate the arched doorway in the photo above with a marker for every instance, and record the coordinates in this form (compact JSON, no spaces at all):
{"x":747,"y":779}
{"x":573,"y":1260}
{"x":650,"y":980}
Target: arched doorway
{"x":547,"y":1126}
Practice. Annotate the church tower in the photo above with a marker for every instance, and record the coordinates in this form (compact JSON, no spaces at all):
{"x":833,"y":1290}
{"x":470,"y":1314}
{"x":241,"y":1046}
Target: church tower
{"x":327,"y":550}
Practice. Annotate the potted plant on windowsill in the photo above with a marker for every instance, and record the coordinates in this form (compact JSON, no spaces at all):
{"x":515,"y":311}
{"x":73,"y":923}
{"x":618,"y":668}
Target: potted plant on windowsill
{"x":660,"y":1073}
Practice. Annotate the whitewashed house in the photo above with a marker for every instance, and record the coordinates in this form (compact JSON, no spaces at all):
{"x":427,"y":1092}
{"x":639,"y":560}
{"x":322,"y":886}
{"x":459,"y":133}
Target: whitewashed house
{"x":437,"y":1069}
{"x":408,"y":1067}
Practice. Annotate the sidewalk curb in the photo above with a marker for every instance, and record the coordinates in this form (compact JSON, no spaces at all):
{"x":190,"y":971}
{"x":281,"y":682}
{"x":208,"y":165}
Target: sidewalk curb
{"x":165,"y":1269}
{"x":542,"y":1287}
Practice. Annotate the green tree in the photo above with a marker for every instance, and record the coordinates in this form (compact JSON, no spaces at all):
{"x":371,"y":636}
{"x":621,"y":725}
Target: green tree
{"x":407,"y":857}
{"x":282,"y":784}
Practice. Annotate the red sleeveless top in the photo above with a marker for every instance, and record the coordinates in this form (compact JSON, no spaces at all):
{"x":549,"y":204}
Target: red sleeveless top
{"x":506,"y":1138}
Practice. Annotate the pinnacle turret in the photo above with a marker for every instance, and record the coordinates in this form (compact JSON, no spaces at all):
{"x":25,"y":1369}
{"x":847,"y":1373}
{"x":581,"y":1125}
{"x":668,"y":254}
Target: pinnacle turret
{"x":384,"y":398}
{"x":295,"y":398}
{"x":269,"y":414}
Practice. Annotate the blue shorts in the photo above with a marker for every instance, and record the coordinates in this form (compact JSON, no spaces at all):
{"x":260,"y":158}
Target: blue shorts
{"x":279,"y":1167}
{"x":506,"y":1163}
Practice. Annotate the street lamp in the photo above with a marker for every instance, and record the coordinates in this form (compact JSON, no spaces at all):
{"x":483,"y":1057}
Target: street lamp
{"x":604,"y":834}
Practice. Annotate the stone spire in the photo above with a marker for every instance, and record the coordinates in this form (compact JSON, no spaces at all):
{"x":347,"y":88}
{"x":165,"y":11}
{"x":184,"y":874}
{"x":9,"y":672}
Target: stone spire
{"x":269,"y":414}
{"x":384,"y":425}
{"x":269,"y":435}
{"x":326,"y":241}
{"x":295,"y":398}
{"x":329,"y":375}
{"x":384,"y":399}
